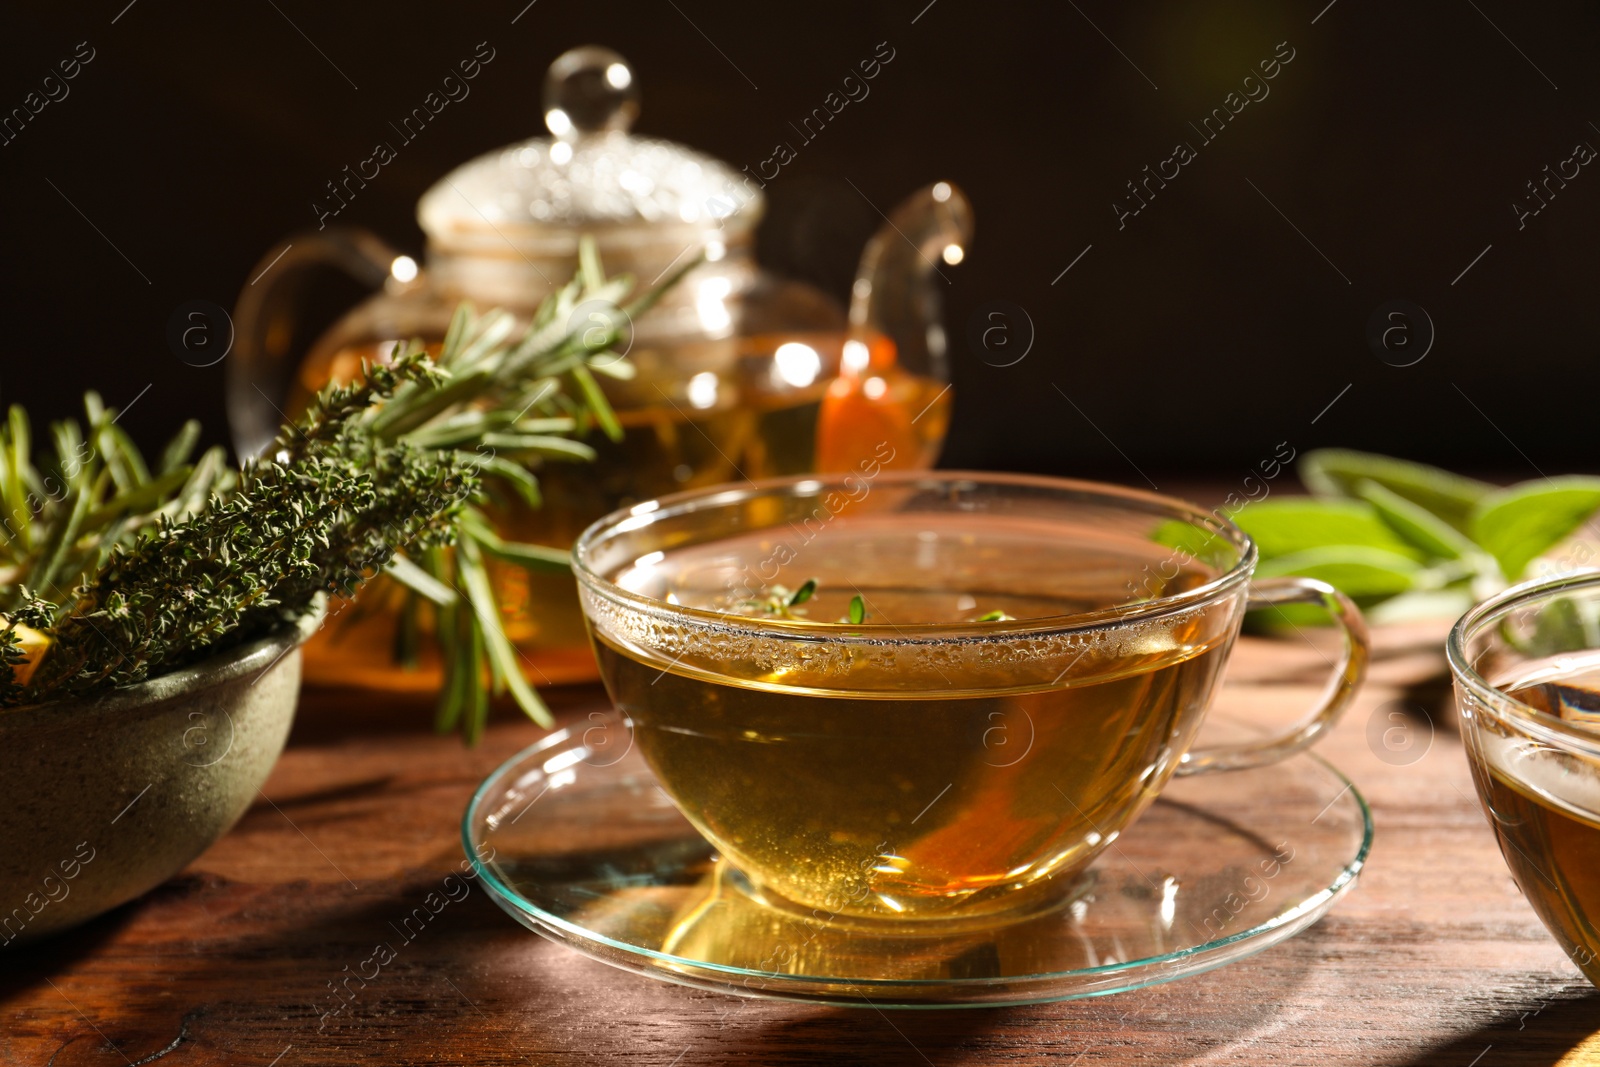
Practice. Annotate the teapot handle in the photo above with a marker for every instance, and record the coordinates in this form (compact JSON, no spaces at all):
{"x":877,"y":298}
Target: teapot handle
{"x":895,"y":291}
{"x":265,"y":321}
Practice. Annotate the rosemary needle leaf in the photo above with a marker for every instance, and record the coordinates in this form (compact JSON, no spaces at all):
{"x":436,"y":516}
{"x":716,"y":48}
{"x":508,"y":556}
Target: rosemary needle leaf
{"x":128,"y":452}
{"x":21,"y":441}
{"x":589,"y":269}
{"x":478,"y":714}
{"x":407,"y":634}
{"x":141,"y":498}
{"x":501,"y":655}
{"x":531,"y":557}
{"x":495,"y":327}
{"x":455,"y":648}
{"x":612,"y":365}
{"x":647,"y":300}
{"x":419,"y":581}
{"x":539,"y":444}
{"x":459,"y":322}
{"x":180,"y":448}
{"x":560,"y":424}
{"x":599,"y":406}
{"x":523,"y":483}
{"x":611,"y":293}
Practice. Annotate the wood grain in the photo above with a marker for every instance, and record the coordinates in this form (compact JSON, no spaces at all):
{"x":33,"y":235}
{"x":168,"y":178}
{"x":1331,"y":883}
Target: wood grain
{"x":1433,"y":959}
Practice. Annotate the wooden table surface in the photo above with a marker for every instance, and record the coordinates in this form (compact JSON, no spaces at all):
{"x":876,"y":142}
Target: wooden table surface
{"x":1434,"y":958}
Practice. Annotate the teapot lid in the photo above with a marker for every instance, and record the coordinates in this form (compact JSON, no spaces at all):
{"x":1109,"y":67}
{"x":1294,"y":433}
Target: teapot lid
{"x":590,"y":177}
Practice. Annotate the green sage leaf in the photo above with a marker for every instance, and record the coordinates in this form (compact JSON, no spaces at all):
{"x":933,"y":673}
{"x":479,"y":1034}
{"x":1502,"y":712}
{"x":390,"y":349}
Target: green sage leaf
{"x":1285,"y":527}
{"x":1415,"y":524}
{"x":1522,"y":522}
{"x":1360,"y":572}
{"x":1335,"y":472}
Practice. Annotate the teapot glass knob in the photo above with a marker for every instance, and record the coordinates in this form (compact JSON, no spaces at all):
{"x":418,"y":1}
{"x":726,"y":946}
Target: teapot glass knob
{"x":589,"y":90}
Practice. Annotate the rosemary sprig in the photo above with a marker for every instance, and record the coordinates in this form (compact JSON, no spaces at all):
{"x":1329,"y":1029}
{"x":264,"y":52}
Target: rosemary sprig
{"x":507,"y":406}
{"x":111,"y":571}
{"x":323,"y":513}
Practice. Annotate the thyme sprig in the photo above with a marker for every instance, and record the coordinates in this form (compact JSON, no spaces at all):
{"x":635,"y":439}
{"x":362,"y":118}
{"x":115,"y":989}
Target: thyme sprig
{"x":779,"y":602}
{"x":319,"y":517}
{"x":113,"y":570}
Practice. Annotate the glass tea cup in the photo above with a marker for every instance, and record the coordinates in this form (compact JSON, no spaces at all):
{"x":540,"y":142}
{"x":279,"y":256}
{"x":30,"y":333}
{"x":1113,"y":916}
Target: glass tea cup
{"x":927,"y":696}
{"x":1527,"y":679}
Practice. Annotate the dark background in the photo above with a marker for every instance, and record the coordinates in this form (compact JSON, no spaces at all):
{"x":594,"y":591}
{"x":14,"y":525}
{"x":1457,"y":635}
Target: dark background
{"x":1196,"y":338}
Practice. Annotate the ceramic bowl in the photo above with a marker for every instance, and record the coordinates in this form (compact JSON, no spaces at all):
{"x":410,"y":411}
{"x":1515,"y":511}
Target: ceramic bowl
{"x":104,"y":798}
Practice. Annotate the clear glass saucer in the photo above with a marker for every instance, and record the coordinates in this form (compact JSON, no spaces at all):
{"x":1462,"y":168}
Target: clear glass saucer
{"x":574,"y":838}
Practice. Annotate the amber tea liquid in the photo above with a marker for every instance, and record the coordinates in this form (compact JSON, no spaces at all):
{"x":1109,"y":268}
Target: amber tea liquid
{"x":1546,"y":812}
{"x":906,"y":782}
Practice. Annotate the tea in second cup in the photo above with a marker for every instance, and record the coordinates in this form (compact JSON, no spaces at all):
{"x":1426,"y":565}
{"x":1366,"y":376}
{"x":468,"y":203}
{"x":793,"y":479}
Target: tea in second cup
{"x":1527,"y":674}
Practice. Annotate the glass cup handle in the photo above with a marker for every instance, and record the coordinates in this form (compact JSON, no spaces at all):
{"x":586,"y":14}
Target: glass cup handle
{"x":1347,"y":676}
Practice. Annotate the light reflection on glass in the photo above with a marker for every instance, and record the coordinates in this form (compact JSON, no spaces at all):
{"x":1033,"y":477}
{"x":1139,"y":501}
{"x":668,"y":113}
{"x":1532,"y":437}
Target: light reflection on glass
{"x":703,"y":390}
{"x":855,"y":357}
{"x":797,"y":364}
{"x":560,"y":762}
{"x":711,"y":307}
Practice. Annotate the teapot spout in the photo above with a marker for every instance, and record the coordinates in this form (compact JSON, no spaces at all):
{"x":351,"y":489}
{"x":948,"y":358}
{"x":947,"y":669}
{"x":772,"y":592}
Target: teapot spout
{"x":896,"y":291}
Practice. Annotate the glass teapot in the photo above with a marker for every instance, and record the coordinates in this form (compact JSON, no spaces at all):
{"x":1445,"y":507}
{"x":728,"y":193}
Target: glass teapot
{"x":739,"y":374}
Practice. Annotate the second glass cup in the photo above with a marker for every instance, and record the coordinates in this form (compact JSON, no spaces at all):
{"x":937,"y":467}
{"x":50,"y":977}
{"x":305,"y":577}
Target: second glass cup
{"x":1527,"y":676}
{"x":902,"y":696}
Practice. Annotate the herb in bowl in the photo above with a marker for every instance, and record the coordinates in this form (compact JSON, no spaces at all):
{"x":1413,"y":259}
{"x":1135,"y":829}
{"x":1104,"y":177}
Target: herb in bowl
{"x":113,"y":570}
